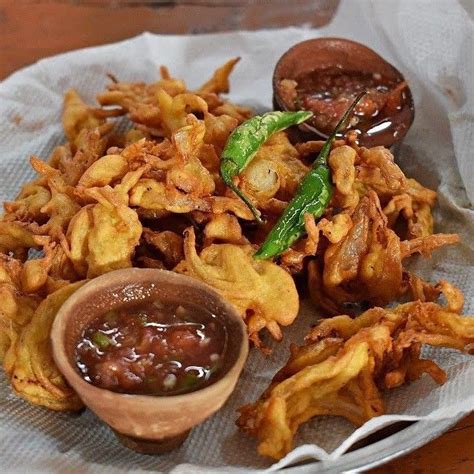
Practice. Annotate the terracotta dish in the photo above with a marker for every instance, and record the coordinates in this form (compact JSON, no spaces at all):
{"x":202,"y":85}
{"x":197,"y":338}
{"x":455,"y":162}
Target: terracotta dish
{"x":316,"y":57}
{"x":145,"y":423}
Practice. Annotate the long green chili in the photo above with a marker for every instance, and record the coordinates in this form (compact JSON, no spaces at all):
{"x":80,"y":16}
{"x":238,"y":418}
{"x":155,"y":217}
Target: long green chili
{"x":245,"y":141}
{"x":312,"y":197}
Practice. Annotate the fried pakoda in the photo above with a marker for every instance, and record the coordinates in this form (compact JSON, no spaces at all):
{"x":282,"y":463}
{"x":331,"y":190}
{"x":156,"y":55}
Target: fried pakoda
{"x":250,"y":285}
{"x":365,"y":266}
{"x":356,"y":171}
{"x":190,"y":175}
{"x":16,"y":307}
{"x":102,"y":237}
{"x":32,"y":371}
{"x":347,"y":362}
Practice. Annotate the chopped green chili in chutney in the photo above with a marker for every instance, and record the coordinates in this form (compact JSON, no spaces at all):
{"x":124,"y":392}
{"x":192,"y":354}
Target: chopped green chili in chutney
{"x":152,"y":349}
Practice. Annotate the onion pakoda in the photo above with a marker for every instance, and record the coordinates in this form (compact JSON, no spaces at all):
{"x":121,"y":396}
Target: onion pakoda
{"x":251,"y":286}
{"x":347,"y":363}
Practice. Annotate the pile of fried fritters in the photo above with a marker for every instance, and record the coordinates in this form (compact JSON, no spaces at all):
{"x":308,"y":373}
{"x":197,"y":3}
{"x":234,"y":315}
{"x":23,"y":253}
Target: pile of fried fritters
{"x":153,"y":197}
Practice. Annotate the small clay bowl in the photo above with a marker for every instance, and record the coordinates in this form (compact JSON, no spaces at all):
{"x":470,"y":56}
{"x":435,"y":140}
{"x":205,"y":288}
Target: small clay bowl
{"x":325,"y":53}
{"x":148,"y":424}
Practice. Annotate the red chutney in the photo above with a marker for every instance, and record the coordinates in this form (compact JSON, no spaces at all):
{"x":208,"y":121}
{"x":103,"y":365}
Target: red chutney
{"x":329,"y":92}
{"x":153,"y":349}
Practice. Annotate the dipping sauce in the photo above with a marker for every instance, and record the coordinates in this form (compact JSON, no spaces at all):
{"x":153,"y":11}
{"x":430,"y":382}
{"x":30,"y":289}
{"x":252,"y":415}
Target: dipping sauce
{"x":152,"y":349}
{"x":329,"y":92}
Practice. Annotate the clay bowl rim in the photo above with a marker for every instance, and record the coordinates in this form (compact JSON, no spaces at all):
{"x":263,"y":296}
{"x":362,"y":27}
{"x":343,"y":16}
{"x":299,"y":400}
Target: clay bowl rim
{"x":309,"y":128}
{"x":66,"y":312}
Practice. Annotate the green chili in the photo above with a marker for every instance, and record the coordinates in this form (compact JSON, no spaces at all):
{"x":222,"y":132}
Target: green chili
{"x":245,"y":141}
{"x":189,"y":381}
{"x":312,"y":197}
{"x":101,"y":340}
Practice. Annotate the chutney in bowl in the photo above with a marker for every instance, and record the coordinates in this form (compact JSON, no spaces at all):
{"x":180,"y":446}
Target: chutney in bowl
{"x":324,"y":76}
{"x":151,"y":352}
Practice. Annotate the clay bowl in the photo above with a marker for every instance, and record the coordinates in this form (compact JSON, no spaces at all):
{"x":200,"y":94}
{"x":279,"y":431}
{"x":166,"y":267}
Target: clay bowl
{"x":323,"y":53}
{"x":145,"y":423}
